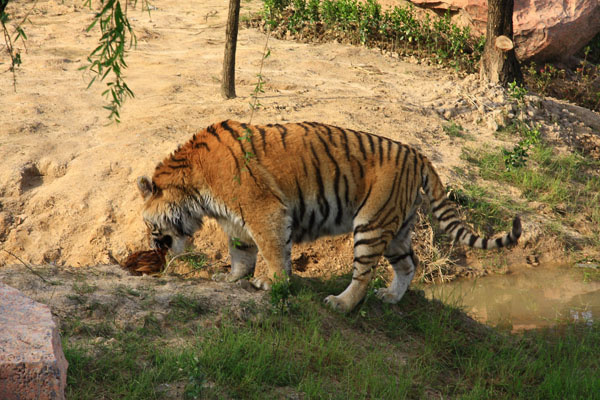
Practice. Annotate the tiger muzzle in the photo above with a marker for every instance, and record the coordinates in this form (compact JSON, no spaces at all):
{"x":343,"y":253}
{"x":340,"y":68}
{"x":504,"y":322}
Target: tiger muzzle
{"x":163,"y":243}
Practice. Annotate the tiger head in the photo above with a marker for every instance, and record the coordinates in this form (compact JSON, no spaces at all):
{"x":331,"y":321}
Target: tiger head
{"x":168,"y":216}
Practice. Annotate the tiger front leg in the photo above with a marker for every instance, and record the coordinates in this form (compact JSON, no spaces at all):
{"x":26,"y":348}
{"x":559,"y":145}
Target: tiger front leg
{"x":275,"y":245}
{"x":243,"y":261}
{"x":279,"y":265}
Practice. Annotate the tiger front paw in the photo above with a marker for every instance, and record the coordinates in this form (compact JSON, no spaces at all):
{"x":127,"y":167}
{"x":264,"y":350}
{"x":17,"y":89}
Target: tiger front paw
{"x":261,"y":283}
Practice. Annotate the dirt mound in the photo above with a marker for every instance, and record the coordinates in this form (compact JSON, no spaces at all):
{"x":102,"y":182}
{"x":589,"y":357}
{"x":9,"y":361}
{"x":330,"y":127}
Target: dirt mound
{"x":109,"y":292}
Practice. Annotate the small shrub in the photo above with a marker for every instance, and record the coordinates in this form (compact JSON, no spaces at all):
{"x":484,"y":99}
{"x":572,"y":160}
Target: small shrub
{"x":280,"y":293}
{"x":517,"y":157}
{"x":516,"y":91}
{"x":366,"y":23}
{"x":272,"y":10}
{"x":453,"y":130}
{"x":543,"y":77}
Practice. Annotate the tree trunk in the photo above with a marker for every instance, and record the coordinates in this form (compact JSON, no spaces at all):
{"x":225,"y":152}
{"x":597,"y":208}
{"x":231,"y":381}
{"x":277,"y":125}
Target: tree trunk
{"x":228,"y":81}
{"x":497,"y":65}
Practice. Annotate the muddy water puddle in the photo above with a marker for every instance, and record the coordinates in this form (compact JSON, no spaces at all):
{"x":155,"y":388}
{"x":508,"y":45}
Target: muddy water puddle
{"x":526,"y":299}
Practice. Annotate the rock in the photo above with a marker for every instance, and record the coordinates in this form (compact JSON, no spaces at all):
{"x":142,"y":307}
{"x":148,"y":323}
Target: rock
{"x":499,"y":99}
{"x":588,"y":265}
{"x":500,"y":118}
{"x":492,"y":125}
{"x":32,"y":363}
{"x":544,"y":30}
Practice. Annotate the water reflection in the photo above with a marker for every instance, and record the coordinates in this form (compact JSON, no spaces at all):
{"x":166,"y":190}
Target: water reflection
{"x":525,"y":299}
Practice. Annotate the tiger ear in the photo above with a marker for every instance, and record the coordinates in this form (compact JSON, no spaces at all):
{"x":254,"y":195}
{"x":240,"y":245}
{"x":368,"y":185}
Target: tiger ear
{"x":145,"y":186}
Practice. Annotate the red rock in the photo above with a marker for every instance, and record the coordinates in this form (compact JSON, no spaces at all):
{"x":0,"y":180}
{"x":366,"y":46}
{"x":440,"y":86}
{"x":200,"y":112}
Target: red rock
{"x":544,"y":30}
{"x":32,"y":362}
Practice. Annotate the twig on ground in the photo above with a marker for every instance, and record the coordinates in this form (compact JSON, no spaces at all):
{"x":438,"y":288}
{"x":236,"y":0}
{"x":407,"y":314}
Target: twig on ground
{"x":29,"y":267}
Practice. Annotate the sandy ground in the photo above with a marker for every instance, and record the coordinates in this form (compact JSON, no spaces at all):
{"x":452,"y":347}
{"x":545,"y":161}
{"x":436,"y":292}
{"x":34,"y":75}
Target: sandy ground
{"x":67,"y":180}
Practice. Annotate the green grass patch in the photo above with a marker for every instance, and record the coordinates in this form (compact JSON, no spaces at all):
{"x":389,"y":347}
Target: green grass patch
{"x":130,"y":367}
{"x":453,"y":129}
{"x":568,"y":184}
{"x":83,"y":288}
{"x":185,"y":308}
{"x":418,"y":348}
{"x":304,"y":355}
{"x":488,"y":212}
{"x":80,"y":327}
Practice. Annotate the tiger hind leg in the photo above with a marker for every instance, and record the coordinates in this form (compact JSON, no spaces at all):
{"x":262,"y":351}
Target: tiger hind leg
{"x":400,"y":255}
{"x":369,"y":245}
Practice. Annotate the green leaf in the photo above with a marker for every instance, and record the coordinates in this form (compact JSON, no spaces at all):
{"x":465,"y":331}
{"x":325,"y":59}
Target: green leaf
{"x":90,"y":26}
{"x":91,"y":82}
{"x":20,"y":33}
{"x":106,"y":73}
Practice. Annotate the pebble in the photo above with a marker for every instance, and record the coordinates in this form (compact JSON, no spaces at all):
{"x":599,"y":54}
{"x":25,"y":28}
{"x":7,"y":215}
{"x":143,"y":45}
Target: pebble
{"x":499,"y":99}
{"x":500,"y":117}
{"x":492,"y":124}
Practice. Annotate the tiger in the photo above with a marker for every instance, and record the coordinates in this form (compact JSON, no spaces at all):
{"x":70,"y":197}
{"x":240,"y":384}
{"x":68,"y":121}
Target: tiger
{"x":269,"y":186}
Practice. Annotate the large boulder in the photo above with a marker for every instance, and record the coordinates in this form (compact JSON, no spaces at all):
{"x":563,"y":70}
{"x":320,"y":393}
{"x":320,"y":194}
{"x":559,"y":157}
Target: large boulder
{"x":32,"y":363}
{"x":544,"y":30}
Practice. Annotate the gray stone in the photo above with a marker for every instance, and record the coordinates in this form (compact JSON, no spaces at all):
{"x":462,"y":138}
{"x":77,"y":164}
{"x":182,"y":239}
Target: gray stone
{"x":32,"y":362}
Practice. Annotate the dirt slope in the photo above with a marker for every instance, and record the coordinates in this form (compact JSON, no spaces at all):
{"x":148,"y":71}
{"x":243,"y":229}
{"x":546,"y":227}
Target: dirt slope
{"x":67,"y":180}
